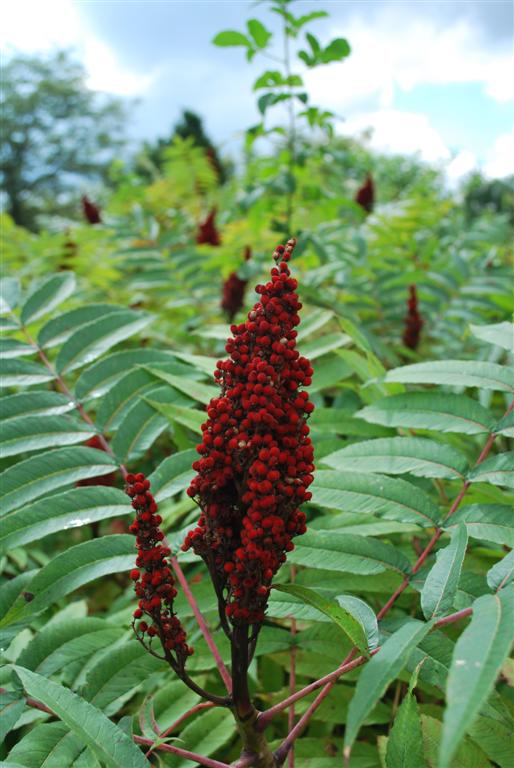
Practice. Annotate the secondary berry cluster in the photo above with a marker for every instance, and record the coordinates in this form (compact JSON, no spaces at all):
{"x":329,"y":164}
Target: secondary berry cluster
{"x":413,"y":321}
{"x":154,"y":583}
{"x":256,"y":455}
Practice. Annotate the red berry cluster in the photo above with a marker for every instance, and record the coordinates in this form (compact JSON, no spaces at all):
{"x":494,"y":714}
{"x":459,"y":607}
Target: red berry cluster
{"x":234,"y":291}
{"x":257,"y":458}
{"x":365,"y":196}
{"x":91,"y":211}
{"x":413,"y":321}
{"x":155,"y":587}
{"x":207,"y":233}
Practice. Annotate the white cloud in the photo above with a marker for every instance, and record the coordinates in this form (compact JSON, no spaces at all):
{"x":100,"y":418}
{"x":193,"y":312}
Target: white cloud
{"x":500,"y":159}
{"x":32,"y":25}
{"x":106,"y":74}
{"x":399,"y":132}
{"x":461,"y":165}
{"x":401,"y":51}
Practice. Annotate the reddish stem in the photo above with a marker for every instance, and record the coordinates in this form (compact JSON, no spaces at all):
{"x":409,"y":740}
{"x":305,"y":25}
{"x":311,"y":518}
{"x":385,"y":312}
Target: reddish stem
{"x":225,"y":675}
{"x":178,"y":722}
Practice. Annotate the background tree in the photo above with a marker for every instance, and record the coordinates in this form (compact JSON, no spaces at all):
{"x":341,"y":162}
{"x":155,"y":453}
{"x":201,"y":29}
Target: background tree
{"x":55,"y":131}
{"x":151,"y":160}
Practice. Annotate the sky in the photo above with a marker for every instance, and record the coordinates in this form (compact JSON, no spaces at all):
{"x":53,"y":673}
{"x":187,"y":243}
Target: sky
{"x":433,"y":78}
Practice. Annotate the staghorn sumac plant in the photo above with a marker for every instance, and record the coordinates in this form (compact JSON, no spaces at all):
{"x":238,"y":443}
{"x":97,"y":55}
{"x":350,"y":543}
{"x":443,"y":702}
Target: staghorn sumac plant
{"x":255,"y":467}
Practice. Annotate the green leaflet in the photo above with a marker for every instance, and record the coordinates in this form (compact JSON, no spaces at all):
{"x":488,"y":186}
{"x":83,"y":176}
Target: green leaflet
{"x":351,"y":627}
{"x":32,"y":433}
{"x":399,"y":455}
{"x":441,"y":584}
{"x":477,"y":659}
{"x":498,"y":470}
{"x":459,"y":373}
{"x":430,"y":410}
{"x":502,"y":573}
{"x":32,"y":403}
{"x":493,"y":522}
{"x":90,"y":341}
{"x":47,"y":295}
{"x":347,"y":552}
{"x":29,"y":479}
{"x":71,"y":569}
{"x":23,"y":373}
{"x":70,"y":509}
{"x":60,"y":328}
{"x":501,"y":334}
{"x":379,"y":672}
{"x":173,"y":475}
{"x":107,"y":741}
{"x":387,"y":497}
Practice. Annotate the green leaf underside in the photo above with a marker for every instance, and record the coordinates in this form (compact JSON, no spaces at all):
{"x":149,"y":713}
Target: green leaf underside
{"x":387,"y":497}
{"x":477,"y":659}
{"x":501,"y":334}
{"x":108,"y":742}
{"x":173,"y":475}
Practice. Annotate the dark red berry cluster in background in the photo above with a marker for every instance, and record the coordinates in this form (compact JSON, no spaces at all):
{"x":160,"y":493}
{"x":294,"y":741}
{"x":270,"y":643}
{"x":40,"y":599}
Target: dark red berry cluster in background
{"x":91,"y":211}
{"x":109,"y":478}
{"x":365,"y":196}
{"x":257,"y":457}
{"x":207,"y":233}
{"x":413,"y":321}
{"x":234,"y":288}
{"x":154,"y":583}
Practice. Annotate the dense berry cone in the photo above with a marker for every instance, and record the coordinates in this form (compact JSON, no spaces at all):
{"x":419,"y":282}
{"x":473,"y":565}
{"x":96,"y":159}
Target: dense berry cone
{"x":365,"y":196}
{"x":413,"y":321}
{"x":257,"y":458}
{"x":154,"y":583}
{"x":207,"y":233}
{"x":234,"y":291}
{"x":91,"y":211}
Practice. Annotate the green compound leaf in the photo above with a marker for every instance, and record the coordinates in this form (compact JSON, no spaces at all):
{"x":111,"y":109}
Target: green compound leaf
{"x":498,"y":470}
